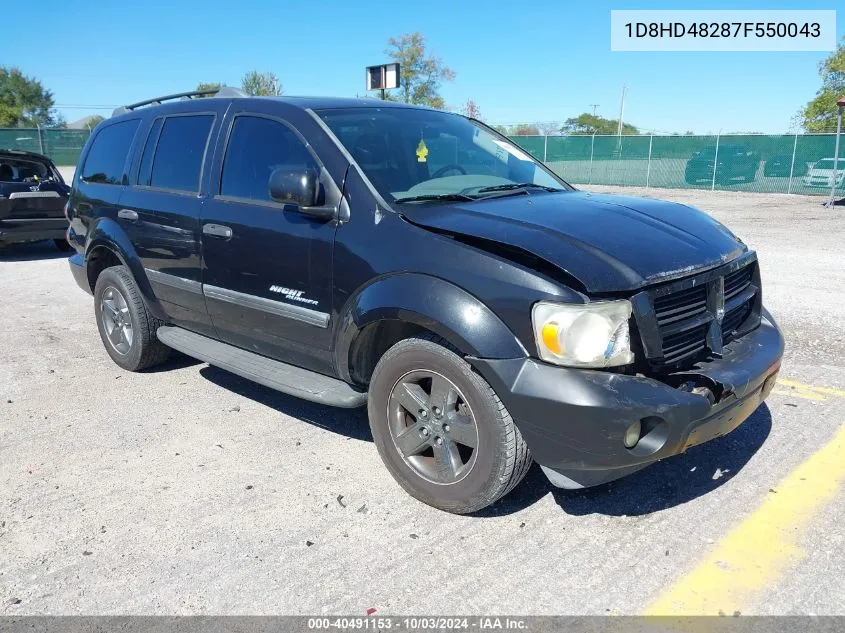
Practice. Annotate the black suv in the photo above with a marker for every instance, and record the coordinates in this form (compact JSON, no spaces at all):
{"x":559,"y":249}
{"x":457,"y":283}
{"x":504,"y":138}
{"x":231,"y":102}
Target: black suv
{"x":355,"y":252}
{"x":32,"y":199}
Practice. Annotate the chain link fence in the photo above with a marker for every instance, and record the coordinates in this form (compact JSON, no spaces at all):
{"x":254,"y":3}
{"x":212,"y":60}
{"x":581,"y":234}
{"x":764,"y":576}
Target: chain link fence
{"x":743,"y":162}
{"x":784,"y":163}
{"x":62,"y":146}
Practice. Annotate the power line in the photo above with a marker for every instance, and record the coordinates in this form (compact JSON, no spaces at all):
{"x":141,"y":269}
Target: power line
{"x":77,"y":106}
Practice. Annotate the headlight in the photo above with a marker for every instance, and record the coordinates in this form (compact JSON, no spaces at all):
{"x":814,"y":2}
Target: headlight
{"x":584,"y":335}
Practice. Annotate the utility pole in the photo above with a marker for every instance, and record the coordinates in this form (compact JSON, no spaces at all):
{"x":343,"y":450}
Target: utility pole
{"x":594,"y":106}
{"x":622,"y":109}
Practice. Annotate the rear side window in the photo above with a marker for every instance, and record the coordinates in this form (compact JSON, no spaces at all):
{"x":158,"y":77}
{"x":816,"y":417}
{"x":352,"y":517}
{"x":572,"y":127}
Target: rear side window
{"x":256,"y":147}
{"x":147,"y":156}
{"x":107,"y":156}
{"x":180,"y":151}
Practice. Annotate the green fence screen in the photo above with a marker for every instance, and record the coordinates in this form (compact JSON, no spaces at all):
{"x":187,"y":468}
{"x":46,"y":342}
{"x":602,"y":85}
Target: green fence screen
{"x":747,"y":162}
{"x":63,"y":146}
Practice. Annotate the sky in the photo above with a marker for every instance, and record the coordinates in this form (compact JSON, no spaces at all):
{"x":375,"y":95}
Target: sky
{"x":540,"y":61}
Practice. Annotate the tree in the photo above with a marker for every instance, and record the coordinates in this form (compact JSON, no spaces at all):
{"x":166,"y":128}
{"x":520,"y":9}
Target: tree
{"x":593,"y":124}
{"x":549,"y":128}
{"x":94,"y":120}
{"x":819,"y":115}
{"x":259,"y":84}
{"x":24,"y":102}
{"x":212,"y":85}
{"x":420,"y":74}
{"x":525,"y":129}
{"x":471,"y":110}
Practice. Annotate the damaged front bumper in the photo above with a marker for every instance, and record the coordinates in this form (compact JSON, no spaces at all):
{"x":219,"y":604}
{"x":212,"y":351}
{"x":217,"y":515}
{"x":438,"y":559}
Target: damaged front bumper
{"x":574,"y":420}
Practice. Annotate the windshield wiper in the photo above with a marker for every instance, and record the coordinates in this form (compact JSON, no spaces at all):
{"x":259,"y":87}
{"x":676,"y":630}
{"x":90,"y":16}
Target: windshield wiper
{"x":440,"y":197}
{"x":517,"y":185}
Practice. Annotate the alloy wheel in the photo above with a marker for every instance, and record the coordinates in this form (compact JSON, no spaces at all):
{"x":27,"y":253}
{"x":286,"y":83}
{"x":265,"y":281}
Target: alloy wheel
{"x":116,"y":320}
{"x":432,"y":426}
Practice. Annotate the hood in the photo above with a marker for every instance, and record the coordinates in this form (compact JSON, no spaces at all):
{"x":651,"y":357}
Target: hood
{"x":609,"y":243}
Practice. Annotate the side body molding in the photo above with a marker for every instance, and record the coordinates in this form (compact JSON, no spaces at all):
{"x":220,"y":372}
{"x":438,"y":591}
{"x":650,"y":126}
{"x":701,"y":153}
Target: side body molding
{"x":429,"y":302}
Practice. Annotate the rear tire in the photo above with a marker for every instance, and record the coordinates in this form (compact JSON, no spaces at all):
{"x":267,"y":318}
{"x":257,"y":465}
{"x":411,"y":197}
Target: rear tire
{"x":474,"y":476}
{"x":127,"y":329}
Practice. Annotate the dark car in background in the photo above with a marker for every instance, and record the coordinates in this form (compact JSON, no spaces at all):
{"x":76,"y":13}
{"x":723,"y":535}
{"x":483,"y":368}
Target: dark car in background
{"x":782,"y":165}
{"x":32,"y":199}
{"x":733,"y":163}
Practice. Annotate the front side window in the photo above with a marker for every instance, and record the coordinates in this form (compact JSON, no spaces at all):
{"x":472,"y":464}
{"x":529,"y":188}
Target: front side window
{"x":180,"y":151}
{"x":412,"y":153}
{"x":258,"y":146}
{"x":107,"y":156}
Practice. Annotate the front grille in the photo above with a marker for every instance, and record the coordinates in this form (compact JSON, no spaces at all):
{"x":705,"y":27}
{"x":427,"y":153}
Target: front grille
{"x":680,"y":306}
{"x":683,"y":345}
{"x":737,"y":281}
{"x":680,"y":323}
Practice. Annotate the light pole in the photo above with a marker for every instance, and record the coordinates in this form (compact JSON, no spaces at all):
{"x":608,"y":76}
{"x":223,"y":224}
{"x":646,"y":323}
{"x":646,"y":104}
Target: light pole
{"x":840,"y":106}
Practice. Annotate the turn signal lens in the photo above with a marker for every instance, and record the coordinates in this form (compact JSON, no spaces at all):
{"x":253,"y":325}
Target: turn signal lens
{"x":550,"y":336}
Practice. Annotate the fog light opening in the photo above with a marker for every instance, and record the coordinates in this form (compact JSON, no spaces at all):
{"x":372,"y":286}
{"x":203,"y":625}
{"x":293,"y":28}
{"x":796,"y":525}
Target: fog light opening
{"x":632,"y":434}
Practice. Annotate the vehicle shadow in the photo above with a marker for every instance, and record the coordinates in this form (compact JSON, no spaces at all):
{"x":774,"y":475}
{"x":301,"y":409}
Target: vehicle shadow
{"x":177,"y":360}
{"x":351,"y":423}
{"x":31,"y":251}
{"x":660,"y":486}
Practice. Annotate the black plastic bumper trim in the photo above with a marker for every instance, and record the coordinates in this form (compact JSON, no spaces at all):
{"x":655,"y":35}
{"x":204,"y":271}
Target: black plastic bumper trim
{"x":574,"y":420}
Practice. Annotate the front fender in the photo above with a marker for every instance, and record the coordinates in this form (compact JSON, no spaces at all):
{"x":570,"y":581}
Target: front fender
{"x":106,"y":233}
{"x":431,"y":303}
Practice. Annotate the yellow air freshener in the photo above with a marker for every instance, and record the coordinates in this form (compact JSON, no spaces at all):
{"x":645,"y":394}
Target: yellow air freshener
{"x":422,"y":152}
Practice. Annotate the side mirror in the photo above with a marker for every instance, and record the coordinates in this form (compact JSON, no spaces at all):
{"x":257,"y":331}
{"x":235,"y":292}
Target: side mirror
{"x":302,"y":188}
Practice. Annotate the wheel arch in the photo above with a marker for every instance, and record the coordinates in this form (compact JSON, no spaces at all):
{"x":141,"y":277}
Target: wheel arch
{"x":108,"y":245}
{"x":402,"y":305}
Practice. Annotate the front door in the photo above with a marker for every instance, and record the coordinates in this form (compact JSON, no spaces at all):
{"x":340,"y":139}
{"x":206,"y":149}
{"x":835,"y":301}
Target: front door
{"x":267,"y":275}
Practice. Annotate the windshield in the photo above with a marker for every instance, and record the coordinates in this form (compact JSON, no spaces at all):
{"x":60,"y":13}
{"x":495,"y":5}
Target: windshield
{"x":827,"y":163}
{"x":414,"y":155}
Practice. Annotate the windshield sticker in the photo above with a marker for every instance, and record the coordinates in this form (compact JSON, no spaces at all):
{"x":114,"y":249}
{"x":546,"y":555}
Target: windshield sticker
{"x":510,"y":149}
{"x":422,"y":152}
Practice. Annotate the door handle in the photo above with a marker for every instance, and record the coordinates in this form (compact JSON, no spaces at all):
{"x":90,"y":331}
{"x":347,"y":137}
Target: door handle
{"x":217,"y":230}
{"x":128,"y":214}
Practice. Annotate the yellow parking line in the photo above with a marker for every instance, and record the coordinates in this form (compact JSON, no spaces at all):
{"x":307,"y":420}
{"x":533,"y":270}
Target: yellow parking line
{"x":804,"y":395}
{"x":753,"y":555}
{"x":807,"y":392}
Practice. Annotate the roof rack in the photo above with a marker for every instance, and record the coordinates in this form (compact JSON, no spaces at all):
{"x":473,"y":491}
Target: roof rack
{"x":225,"y":91}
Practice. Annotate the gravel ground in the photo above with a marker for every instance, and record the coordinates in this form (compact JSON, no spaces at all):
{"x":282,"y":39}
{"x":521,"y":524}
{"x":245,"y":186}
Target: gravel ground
{"x":188,"y":490}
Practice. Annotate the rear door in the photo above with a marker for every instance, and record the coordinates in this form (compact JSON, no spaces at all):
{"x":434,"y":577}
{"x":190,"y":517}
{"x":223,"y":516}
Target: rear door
{"x":268,"y":268}
{"x":160,"y":211}
{"x":102,"y":174}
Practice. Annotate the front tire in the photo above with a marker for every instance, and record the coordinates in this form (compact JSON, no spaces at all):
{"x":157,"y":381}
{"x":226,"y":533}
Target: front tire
{"x":441,"y":430}
{"x":127,"y":329}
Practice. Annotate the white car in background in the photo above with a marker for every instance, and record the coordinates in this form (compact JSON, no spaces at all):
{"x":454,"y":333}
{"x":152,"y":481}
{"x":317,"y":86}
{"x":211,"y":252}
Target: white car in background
{"x":821,"y":174}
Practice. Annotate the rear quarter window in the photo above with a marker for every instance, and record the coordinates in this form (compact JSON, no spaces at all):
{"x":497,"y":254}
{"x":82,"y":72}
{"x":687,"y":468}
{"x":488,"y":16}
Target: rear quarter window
{"x":107,"y":157}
